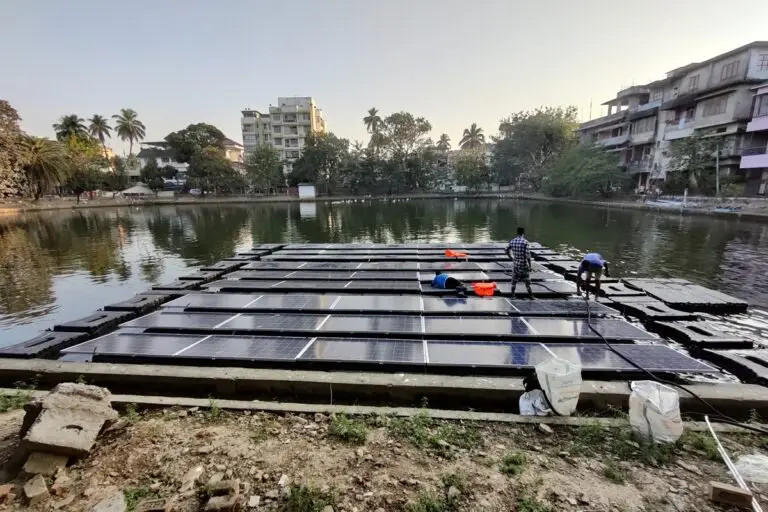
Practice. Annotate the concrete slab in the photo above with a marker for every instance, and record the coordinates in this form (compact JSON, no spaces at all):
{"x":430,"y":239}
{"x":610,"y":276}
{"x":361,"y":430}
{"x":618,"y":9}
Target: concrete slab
{"x":41,"y":463}
{"x":70,"y":419}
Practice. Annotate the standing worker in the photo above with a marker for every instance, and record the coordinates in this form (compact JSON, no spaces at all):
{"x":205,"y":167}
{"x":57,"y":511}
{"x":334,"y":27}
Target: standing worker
{"x":593,"y":264}
{"x":520,"y":253}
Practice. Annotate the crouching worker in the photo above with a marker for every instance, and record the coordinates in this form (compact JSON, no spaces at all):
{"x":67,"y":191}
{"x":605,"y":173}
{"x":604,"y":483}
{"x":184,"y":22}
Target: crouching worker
{"x":593,"y":264}
{"x":446,"y":282}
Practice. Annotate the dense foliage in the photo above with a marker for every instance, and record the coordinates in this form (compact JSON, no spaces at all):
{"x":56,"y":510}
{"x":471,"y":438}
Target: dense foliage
{"x":584,"y":171}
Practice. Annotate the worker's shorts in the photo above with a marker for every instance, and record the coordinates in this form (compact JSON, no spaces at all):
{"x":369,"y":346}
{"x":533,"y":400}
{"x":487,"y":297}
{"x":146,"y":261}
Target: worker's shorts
{"x":521,"y":275}
{"x":596,"y":273}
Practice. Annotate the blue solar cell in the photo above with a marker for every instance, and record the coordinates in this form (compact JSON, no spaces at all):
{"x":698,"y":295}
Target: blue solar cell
{"x":121,"y":343}
{"x":466,"y":305}
{"x":373,"y":324}
{"x":378,"y":303}
{"x":246,"y":348}
{"x":611,"y":328}
{"x":476,"y":326}
{"x":368,"y":350}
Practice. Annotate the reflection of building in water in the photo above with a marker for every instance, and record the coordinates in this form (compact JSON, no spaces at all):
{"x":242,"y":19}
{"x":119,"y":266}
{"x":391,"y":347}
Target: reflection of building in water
{"x":308,"y":210}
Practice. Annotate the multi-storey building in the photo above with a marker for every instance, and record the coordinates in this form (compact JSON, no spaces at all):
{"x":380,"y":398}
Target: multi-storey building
{"x":285,"y":127}
{"x":754,"y":156}
{"x":712,"y":98}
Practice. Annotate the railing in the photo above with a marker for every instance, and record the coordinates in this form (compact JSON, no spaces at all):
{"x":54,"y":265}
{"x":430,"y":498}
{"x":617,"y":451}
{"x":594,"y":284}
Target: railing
{"x":757,"y":150}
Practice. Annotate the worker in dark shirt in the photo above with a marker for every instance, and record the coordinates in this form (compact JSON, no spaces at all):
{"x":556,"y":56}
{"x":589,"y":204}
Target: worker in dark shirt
{"x":593,"y":264}
{"x":446,"y":282}
{"x":519,"y":251}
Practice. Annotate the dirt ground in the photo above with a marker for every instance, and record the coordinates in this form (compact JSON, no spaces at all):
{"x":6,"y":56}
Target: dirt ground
{"x":321,"y":463}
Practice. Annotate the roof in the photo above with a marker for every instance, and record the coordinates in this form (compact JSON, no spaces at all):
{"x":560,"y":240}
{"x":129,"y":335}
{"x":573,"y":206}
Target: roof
{"x":230,"y":142}
{"x":138,"y":189}
{"x":727,"y":54}
{"x":155,"y":153}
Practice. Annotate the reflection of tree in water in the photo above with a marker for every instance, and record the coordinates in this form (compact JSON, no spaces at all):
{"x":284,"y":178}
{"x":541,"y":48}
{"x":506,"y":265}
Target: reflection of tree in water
{"x":202,"y":234}
{"x":151,"y":267}
{"x":26,"y":275}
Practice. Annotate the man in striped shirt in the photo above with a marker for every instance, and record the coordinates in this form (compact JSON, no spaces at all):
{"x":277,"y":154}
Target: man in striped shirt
{"x":519,"y":251}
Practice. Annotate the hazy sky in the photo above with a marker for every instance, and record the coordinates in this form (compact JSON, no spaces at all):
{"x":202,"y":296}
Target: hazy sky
{"x":454,"y":62}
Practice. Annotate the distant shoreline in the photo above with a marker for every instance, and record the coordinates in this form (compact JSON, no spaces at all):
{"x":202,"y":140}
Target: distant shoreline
{"x":753,"y":209}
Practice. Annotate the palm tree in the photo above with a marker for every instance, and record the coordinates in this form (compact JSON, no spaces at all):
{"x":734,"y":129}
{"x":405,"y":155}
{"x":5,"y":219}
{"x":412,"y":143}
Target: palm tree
{"x":100,"y":129}
{"x":45,"y":163}
{"x":473,"y":138}
{"x":444,"y":144}
{"x":373,"y":121}
{"x":70,"y":126}
{"x":128,"y":127}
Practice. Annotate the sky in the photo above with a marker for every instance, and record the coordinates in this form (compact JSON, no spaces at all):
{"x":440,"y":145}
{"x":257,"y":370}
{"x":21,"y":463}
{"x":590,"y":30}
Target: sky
{"x":178,"y":62}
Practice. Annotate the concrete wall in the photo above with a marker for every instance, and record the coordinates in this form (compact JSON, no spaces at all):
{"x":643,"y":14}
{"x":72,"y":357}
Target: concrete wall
{"x":754,"y":63}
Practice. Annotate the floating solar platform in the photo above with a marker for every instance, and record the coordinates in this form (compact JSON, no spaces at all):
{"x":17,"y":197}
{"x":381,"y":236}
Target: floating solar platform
{"x":699,"y":334}
{"x":564,"y":266}
{"x":325,"y":352}
{"x":46,"y":345}
{"x":648,"y":308}
{"x":686,"y":296}
{"x":751,"y":366}
{"x":471,"y":327}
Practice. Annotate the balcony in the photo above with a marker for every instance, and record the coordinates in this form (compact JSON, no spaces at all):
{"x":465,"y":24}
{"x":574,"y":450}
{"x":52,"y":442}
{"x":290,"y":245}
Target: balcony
{"x":612,"y":141}
{"x":758,"y":124}
{"x":640,"y":166}
{"x":754,"y":158}
{"x":678,"y":129}
{"x":642,"y":138}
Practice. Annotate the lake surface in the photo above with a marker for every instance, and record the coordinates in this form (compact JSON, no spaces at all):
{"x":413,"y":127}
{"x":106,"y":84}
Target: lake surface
{"x":61,"y":265}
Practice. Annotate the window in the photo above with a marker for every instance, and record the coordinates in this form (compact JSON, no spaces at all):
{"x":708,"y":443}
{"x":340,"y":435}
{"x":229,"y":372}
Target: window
{"x":267,"y":127}
{"x":729,"y":71}
{"x":275,"y":117}
{"x":761,"y":109}
{"x":715,"y":106}
{"x":305,"y":117}
{"x":277,"y":129}
{"x":248,"y":128}
{"x":762,"y":63}
{"x":656,"y":95}
{"x":693,"y":83}
{"x":278,"y":142}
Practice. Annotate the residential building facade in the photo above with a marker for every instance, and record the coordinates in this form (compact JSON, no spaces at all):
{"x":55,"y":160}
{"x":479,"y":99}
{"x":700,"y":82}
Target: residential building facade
{"x":713,"y":98}
{"x":754,"y":156}
{"x":284,"y":127}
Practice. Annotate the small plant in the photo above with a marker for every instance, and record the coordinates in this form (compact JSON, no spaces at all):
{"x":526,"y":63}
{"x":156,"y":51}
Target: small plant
{"x":135,"y":495}
{"x":512,"y":464}
{"x":214,"y":412}
{"x":614,"y":473}
{"x":260,"y":433}
{"x":130,"y":413}
{"x":589,"y":434}
{"x":347,"y":430}
{"x":703,"y":441}
{"x":81,"y":379}
{"x":309,"y":499}
{"x":414,"y":429}
{"x":14,"y":400}
{"x":457,"y":480}
{"x":528,"y":502}
{"x":427,"y":502}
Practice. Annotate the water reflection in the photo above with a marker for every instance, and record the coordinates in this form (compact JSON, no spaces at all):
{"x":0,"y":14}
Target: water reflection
{"x":57,"y":266}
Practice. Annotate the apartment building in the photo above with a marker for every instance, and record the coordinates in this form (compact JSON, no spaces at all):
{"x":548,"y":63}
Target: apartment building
{"x":713,"y":98}
{"x":754,"y":156}
{"x":284,"y":126}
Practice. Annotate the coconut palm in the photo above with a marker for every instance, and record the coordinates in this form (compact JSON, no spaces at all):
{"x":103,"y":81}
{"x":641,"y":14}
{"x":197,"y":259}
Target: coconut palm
{"x":45,"y":164}
{"x":373,"y":122}
{"x":473,"y":138}
{"x":444,"y":143}
{"x":70,"y":126}
{"x":100,"y":129}
{"x":128,"y":127}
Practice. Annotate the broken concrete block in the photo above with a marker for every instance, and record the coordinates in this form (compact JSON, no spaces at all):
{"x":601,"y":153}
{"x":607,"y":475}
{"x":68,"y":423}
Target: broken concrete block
{"x":70,"y":419}
{"x":41,"y":463}
{"x":729,"y":494}
{"x":223,"y":503}
{"x":35,"y":490}
{"x":223,"y":487}
{"x":5,"y":491}
{"x":191,"y":477}
{"x":115,"y":502}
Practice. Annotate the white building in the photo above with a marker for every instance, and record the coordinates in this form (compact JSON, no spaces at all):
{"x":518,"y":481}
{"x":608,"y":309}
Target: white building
{"x":284,"y":127}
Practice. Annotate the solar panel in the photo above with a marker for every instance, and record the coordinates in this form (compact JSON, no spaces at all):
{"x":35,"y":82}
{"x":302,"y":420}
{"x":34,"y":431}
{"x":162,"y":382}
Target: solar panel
{"x":461,"y":276}
{"x":476,"y":326}
{"x":133,"y":344}
{"x":610,"y":328}
{"x":450,"y":266}
{"x":298,"y":285}
{"x":661,"y":358}
{"x":373,"y":324}
{"x":384,"y":265}
{"x":274,"y":275}
{"x":498,"y":354}
{"x":403,"y":286}
{"x":266,"y":247}
{"x":251,"y":348}
{"x":272,"y":322}
{"x":315,"y":265}
{"x":368,"y":350}
{"x":211,"y":301}
{"x":535,"y":276}
{"x":271,"y":265}
{"x":295,"y":302}
{"x":383,"y":275}
{"x":560,"y":308}
{"x":235,"y":285}
{"x":378,"y":303}
{"x":466,"y":305}
{"x":334,"y":275}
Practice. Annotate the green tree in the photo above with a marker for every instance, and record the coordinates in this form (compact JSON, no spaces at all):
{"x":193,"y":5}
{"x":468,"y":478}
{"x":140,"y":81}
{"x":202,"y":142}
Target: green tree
{"x":193,"y":139}
{"x":128,"y":127}
{"x":470,"y":169}
{"x":473,"y":138}
{"x":264,"y":169}
{"x":169,"y":172}
{"x":12,"y":150}
{"x":70,"y":126}
{"x":405,"y":133}
{"x":210,"y":171}
{"x":84,"y":179}
{"x":100,"y":129}
{"x":444,"y":143}
{"x":531,"y":142}
{"x":584,"y":171}
{"x":692,"y":164}
{"x":45,"y":164}
{"x":151,"y":175}
{"x":373,"y":122}
{"x":321,"y":162}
